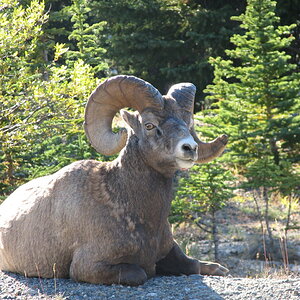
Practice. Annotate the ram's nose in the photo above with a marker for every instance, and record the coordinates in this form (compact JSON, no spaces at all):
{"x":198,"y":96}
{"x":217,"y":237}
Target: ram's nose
{"x":188,"y":147}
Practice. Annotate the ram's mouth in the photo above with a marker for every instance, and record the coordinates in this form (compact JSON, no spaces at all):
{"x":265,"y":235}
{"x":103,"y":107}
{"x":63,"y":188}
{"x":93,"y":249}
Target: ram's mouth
{"x":183,"y":163}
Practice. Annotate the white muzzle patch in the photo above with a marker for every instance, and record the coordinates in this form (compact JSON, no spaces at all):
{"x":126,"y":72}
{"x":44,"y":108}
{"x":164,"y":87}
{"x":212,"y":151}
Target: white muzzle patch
{"x":186,"y":152}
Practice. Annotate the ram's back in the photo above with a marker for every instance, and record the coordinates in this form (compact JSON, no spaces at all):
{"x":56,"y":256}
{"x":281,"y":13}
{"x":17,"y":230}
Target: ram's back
{"x":38,"y":222}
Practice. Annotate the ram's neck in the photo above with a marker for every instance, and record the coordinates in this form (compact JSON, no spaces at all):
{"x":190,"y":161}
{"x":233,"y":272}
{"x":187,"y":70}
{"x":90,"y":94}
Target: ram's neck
{"x":143,"y":189}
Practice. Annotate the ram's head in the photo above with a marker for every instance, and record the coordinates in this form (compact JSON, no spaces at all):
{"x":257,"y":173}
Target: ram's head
{"x":163,"y":124}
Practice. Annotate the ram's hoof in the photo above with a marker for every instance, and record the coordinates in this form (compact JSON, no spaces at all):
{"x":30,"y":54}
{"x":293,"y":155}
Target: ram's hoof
{"x":210,"y":268}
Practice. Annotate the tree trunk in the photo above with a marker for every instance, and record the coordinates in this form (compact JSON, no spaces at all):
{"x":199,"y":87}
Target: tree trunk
{"x":274,"y":150}
{"x":10,"y":169}
{"x":266,"y":200}
{"x":215,"y":236}
{"x":287,"y":224}
{"x":45,"y":72}
{"x":260,"y":216}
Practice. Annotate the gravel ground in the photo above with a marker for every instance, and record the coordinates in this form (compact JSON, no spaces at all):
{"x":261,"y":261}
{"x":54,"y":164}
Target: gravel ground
{"x":192,"y":287}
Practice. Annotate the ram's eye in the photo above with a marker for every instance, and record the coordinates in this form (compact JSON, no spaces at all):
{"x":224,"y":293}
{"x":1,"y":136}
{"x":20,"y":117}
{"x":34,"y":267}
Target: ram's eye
{"x":149,"y":126}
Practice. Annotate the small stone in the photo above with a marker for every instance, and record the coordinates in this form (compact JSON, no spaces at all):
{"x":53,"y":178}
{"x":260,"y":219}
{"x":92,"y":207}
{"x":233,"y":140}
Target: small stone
{"x":32,"y":292}
{"x":151,"y":294}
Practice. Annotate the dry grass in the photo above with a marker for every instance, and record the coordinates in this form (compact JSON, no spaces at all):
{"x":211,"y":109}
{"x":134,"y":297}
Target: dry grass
{"x":239,"y":225}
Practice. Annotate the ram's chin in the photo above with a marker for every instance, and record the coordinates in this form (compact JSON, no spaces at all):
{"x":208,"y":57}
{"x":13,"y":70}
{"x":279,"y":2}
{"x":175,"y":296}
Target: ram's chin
{"x":184,"y":164}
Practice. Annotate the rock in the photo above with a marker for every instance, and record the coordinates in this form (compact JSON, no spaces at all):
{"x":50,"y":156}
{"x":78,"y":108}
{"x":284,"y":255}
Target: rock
{"x":151,"y":295}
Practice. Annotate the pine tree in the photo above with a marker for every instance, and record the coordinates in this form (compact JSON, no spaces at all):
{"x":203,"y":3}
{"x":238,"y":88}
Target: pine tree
{"x":87,"y":37}
{"x":257,"y":94}
{"x":200,"y":195}
{"x":256,"y":90}
{"x":166,"y":41}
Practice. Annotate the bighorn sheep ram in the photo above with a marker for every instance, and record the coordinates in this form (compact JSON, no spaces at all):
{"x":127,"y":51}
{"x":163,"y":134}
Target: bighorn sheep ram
{"x":107,"y":223}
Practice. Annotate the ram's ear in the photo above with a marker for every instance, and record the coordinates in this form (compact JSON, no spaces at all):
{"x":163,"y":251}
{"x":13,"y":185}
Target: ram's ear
{"x":132,"y":119}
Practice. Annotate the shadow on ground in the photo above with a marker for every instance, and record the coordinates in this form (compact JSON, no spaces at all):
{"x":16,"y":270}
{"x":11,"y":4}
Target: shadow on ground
{"x":158,"y":288}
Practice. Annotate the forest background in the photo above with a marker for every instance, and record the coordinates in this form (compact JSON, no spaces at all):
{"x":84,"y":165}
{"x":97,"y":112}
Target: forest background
{"x":243,"y":56}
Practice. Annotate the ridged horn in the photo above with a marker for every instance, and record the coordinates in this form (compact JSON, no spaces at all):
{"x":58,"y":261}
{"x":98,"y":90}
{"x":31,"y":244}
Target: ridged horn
{"x":211,"y":150}
{"x":106,"y":100}
{"x":184,"y":94}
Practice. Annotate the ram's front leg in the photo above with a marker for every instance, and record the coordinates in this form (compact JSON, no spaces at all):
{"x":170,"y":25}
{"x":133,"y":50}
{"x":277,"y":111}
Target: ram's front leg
{"x":87,"y":267}
{"x":177,"y":263}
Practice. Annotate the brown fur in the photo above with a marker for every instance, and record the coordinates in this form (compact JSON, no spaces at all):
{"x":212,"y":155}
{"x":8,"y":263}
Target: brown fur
{"x":102,"y":222}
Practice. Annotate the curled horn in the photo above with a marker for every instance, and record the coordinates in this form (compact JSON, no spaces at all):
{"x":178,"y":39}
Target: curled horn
{"x":106,"y":100}
{"x":211,"y":150}
{"x":184,"y":94}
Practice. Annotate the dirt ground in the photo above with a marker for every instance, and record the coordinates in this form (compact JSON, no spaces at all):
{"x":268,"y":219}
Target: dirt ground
{"x":242,"y":245}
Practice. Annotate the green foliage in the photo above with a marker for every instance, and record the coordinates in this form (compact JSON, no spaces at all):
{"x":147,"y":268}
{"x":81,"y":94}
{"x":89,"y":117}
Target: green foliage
{"x":256,"y":91}
{"x":201,"y":193}
{"x":87,"y":37}
{"x":263,"y":172}
{"x":51,"y":53}
{"x":38,"y":110}
{"x":283,"y":178}
{"x":20,"y":29}
{"x":256,"y":94}
{"x":61,"y":133}
{"x":167,"y":41}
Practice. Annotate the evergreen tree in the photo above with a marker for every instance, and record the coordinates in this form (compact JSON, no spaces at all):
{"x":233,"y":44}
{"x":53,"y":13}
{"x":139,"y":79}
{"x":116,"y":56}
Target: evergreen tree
{"x":87,"y":37}
{"x":200,"y":195}
{"x":166,"y":41}
{"x":256,"y":92}
{"x":289,"y":12}
{"x":256,"y":89}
